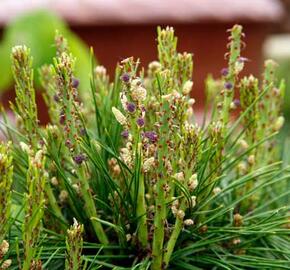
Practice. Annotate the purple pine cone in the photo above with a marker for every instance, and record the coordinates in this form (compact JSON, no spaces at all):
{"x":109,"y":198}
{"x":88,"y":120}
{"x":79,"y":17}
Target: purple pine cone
{"x":75,"y":83}
{"x":62,"y":119}
{"x":56,"y":98}
{"x":140,"y":122}
{"x":237,"y":102}
{"x":228,"y":85}
{"x":125,"y":78}
{"x":151,"y":135}
{"x":78,"y":159}
{"x":224,"y":71}
{"x":125,"y":134}
{"x":131,"y":107}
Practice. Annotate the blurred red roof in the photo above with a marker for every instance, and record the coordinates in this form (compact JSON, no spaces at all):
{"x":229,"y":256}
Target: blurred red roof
{"x":104,"y":12}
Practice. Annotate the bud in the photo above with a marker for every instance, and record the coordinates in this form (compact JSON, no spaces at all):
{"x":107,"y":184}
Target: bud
{"x":228,"y":85}
{"x":77,"y":188}
{"x":242,"y":167}
{"x":24,"y":147}
{"x":63,"y":196}
{"x":188,"y":222}
{"x":4,"y":247}
{"x":238,"y":220}
{"x":148,"y":163}
{"x":244,"y":145}
{"x":224,"y":72}
{"x":239,"y":66}
{"x":119,"y":116}
{"x":38,"y":158}
{"x":191,"y":101}
{"x":180,"y":214}
{"x":54,"y":181}
{"x":187,"y":87}
{"x":233,"y":106}
{"x":100,"y":71}
{"x":251,"y":159}
{"x":192,"y":182}
{"x":179,"y":176}
{"x":154,"y":66}
{"x":140,"y":122}
{"x":128,"y":237}
{"x":116,"y":170}
{"x":236,"y":241}
{"x":216,"y":190}
{"x":125,"y":77}
{"x":6,"y":264}
{"x":124,"y":100}
{"x":139,"y":93}
{"x":193,"y":201}
{"x":279,"y":123}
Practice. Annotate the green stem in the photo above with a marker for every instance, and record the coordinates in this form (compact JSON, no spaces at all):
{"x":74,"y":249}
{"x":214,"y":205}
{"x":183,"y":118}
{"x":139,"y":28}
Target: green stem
{"x":141,"y":213}
{"x":160,"y":201}
{"x":54,"y":206}
{"x":172,"y":241}
{"x":159,"y":219}
{"x":174,"y":236}
{"x":90,"y":208}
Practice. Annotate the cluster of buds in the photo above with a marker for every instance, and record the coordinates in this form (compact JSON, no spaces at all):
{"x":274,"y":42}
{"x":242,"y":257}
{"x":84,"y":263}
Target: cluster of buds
{"x":238,"y":220}
{"x":25,"y":106}
{"x":4,"y":248}
{"x":100,"y":73}
{"x":248,"y":94}
{"x":114,"y":166}
{"x":192,"y":182}
{"x":34,"y":202}
{"x":74,"y":246}
{"x":175,"y":206}
{"x":148,"y":164}
{"x":230,"y":74}
{"x":69,"y":100}
{"x":127,"y":155}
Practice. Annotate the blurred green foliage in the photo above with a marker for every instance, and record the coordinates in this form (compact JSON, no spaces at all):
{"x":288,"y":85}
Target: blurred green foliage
{"x":37,"y":31}
{"x":284,"y":72}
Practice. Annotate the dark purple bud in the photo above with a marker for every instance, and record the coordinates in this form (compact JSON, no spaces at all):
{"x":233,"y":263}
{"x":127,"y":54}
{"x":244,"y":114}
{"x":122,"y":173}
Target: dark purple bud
{"x":143,"y":109}
{"x":224,"y":71}
{"x":131,"y":107}
{"x":41,"y":142}
{"x":140,"y":122}
{"x":56,"y":98}
{"x":237,"y":102}
{"x":68,"y":143}
{"x":228,"y":85}
{"x":62,"y":119}
{"x":151,"y":135}
{"x":125,"y":77}
{"x":125,"y":134}
{"x":78,"y":159}
{"x":75,"y":83}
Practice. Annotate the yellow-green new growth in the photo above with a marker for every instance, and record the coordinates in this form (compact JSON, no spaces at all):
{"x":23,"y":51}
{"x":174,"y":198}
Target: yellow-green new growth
{"x":6,"y":174}
{"x":34,"y":203}
{"x":74,"y":246}
{"x":25,"y":106}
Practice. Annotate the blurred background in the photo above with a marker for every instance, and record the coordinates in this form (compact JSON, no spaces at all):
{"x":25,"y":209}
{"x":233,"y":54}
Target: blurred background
{"x":117,"y":29}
